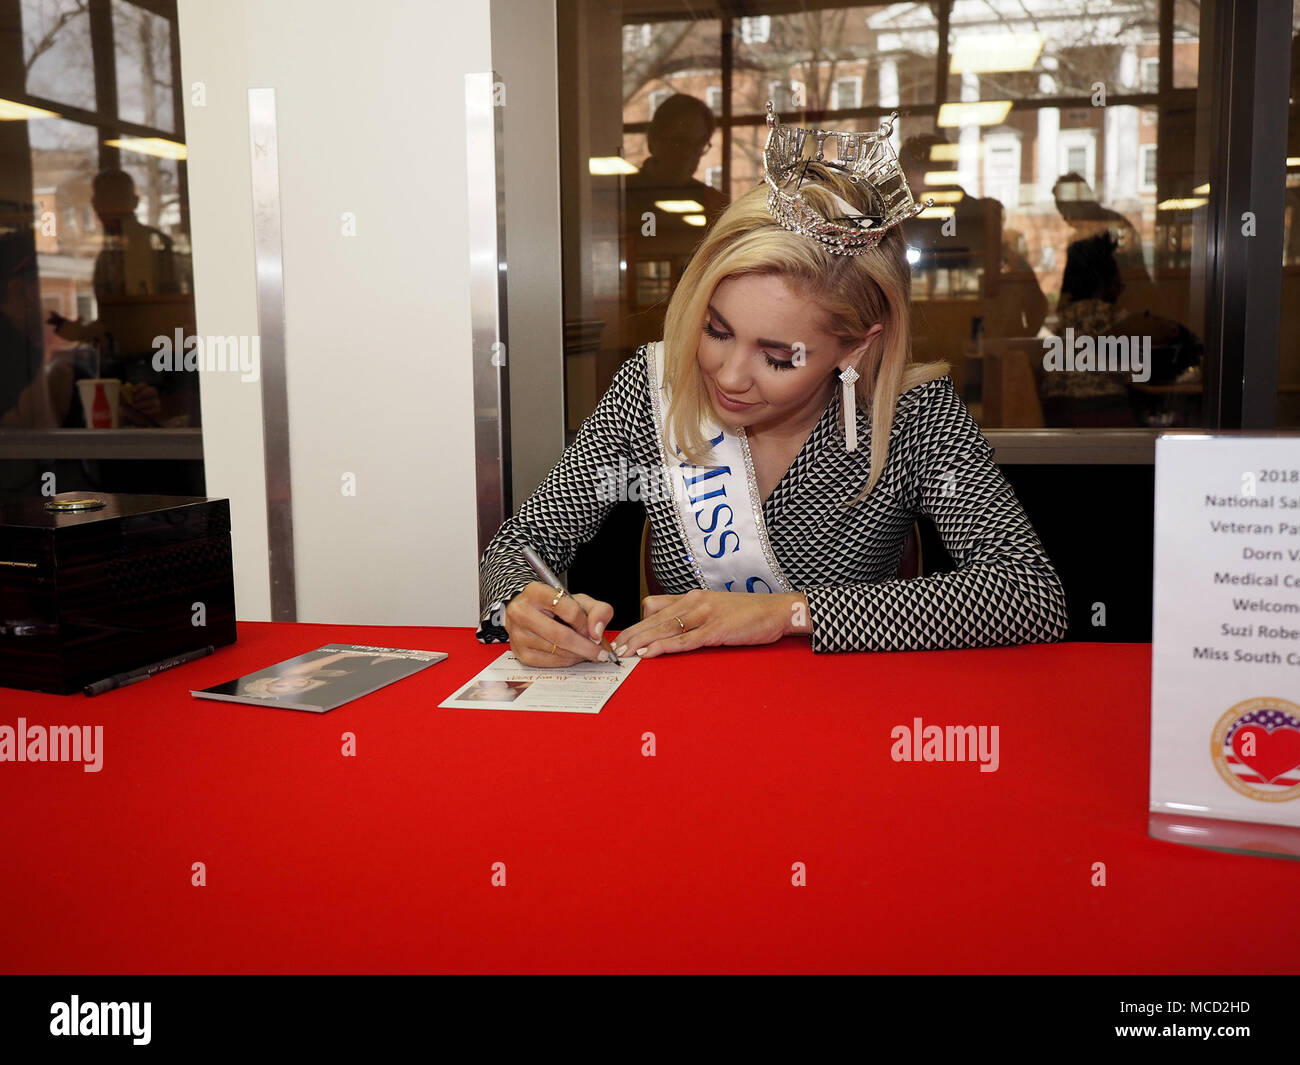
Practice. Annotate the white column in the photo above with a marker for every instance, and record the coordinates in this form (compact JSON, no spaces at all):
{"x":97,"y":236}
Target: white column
{"x":969,"y":171}
{"x":1049,"y":125}
{"x":888,"y":74}
{"x":1121,"y":126}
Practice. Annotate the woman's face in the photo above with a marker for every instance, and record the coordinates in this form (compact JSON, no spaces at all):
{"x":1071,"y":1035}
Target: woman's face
{"x":763,"y":345}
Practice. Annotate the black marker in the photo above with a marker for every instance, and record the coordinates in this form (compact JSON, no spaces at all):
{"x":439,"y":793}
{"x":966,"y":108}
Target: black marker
{"x":548,"y":576}
{"x":121,"y":680}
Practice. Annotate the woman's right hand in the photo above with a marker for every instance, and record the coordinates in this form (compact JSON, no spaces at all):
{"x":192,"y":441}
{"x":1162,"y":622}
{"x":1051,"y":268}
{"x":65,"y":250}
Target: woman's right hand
{"x":532,"y":623}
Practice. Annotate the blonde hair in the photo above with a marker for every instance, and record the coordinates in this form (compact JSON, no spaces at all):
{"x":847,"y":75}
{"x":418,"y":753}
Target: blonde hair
{"x":854,"y":292}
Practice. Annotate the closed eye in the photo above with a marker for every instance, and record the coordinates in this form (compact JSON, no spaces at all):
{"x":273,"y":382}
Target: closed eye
{"x":776,"y":364}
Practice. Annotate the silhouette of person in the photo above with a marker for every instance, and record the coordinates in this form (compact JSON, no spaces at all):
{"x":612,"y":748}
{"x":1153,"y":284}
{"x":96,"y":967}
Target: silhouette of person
{"x":681,"y":130}
{"x":21,"y":350}
{"x":134,"y":272}
{"x":1090,"y":288}
{"x":658,"y":243}
{"x":1086,"y":218}
{"x":33,"y":394}
{"x":1090,"y":305}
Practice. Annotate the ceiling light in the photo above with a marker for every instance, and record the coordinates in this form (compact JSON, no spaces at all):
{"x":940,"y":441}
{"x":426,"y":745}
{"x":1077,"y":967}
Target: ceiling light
{"x":680,"y":206}
{"x":977,"y":113}
{"x":156,"y":146}
{"x":984,"y":53}
{"x":13,"y":111}
{"x":603,"y":165}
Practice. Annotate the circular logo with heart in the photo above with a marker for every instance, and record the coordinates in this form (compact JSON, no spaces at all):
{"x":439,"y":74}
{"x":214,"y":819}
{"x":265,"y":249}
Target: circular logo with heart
{"x":1256,"y":749}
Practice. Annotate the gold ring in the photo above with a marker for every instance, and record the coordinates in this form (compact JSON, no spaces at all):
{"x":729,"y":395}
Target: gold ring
{"x":552,"y":650}
{"x":680,"y":622}
{"x":559,"y":594}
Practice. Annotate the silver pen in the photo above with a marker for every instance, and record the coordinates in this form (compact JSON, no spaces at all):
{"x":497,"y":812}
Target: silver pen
{"x":547,"y":575}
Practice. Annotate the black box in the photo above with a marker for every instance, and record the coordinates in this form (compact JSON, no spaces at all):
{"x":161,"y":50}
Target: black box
{"x":86,"y":594}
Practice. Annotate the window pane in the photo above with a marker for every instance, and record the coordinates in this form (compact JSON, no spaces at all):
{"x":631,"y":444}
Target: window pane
{"x":142,"y":280}
{"x":56,"y":49}
{"x":1058,"y":278}
{"x":1054,"y":49}
{"x":1061,"y":156}
{"x":837,"y":58}
{"x":47,"y":268}
{"x":1187,"y":43}
{"x":95,"y":256}
{"x":671,"y":91}
{"x":144,"y":66}
{"x":112,"y":257}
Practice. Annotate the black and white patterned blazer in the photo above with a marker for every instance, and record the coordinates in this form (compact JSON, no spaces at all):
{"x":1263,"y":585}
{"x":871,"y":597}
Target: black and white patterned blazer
{"x":844,"y":559}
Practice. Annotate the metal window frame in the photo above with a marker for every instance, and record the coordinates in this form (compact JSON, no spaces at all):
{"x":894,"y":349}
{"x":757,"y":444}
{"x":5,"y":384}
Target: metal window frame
{"x":1250,"y":57}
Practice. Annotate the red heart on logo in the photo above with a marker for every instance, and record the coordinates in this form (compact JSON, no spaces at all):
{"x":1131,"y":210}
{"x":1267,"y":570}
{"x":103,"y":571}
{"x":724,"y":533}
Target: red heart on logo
{"x":1275,"y":753}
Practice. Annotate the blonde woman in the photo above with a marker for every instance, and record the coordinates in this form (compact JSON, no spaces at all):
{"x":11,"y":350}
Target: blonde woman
{"x":785,"y":444}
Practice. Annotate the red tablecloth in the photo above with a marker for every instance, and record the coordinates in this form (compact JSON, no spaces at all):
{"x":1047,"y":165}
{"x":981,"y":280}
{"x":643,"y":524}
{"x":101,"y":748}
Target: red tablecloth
{"x":615,"y":862}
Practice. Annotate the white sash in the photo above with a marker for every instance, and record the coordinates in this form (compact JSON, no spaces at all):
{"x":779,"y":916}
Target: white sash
{"x":719,"y":511}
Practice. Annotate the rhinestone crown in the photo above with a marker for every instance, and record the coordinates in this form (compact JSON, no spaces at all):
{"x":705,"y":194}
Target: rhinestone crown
{"x":867,"y":160}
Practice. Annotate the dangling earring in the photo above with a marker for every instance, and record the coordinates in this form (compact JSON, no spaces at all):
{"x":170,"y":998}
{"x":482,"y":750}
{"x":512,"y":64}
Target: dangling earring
{"x":849,"y":404}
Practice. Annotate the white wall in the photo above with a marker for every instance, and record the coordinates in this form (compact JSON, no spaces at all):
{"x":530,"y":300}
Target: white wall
{"x":371,"y":118}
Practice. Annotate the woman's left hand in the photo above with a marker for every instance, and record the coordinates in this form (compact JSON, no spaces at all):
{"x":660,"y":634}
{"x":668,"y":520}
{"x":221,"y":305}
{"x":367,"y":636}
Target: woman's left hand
{"x":710,"y":619}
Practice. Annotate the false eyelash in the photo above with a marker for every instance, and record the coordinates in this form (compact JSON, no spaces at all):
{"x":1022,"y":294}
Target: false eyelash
{"x":776,"y":364}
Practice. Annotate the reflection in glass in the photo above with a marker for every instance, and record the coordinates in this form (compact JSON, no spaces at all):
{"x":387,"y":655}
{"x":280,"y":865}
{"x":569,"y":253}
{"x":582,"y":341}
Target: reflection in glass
{"x":141,"y":289}
{"x":94,"y":244}
{"x":59,"y":63}
{"x":143,"y":44}
{"x":66,"y":236}
{"x":1058,"y":151}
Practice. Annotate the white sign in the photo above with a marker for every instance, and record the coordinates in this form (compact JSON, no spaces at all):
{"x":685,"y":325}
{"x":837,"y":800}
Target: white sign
{"x":1225,"y":669}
